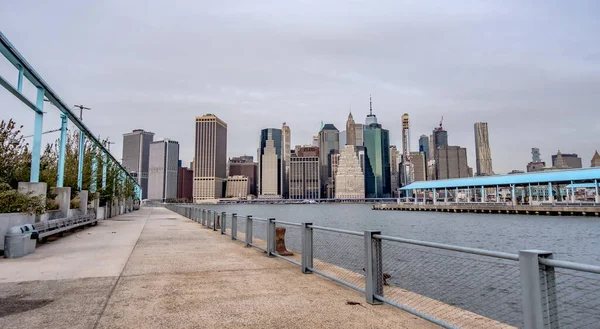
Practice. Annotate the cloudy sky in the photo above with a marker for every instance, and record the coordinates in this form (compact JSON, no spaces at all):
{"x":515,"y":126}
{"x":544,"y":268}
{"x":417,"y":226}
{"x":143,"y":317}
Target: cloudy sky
{"x":529,"y":68}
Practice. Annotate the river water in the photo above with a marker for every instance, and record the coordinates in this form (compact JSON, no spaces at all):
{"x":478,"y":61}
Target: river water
{"x":569,"y":238}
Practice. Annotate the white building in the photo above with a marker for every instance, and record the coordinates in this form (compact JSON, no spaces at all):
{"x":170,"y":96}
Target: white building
{"x":162,"y":171}
{"x":238,"y":186}
{"x":269,"y":178}
{"x":349,"y":180}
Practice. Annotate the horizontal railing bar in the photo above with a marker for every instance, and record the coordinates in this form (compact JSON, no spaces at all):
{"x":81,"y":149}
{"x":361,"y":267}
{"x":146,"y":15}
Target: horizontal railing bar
{"x":475,"y":251}
{"x":417,"y":313}
{"x":260,"y":219}
{"x":349,"y":285}
{"x":288,"y":223}
{"x":322,"y":228}
{"x":570,"y":265}
{"x":287,"y":259}
{"x":258,"y":247}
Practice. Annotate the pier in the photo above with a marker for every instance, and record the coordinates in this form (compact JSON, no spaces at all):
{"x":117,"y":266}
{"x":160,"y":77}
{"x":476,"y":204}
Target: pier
{"x":495,"y":208}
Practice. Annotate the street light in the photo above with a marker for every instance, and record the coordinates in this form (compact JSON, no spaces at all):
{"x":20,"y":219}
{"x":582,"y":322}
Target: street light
{"x":81,"y":108}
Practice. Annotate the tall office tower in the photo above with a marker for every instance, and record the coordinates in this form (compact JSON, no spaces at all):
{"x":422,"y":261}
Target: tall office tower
{"x":185,"y":184}
{"x":424,"y":146}
{"x":163,"y":170}
{"x":395,"y":160}
{"x":377,"y":161}
{"x":483,"y":154}
{"x":358,"y":134}
{"x":329,"y":143}
{"x":349,"y":179}
{"x":342,"y":139}
{"x":596,"y":160}
{"x":286,"y":135}
{"x":315,"y":141}
{"x":405,"y":136}
{"x":136,"y":155}
{"x":350,"y":131}
{"x":565,"y":161}
{"x":210,"y":158}
{"x":244,"y":166}
{"x":419,"y":166}
{"x":270,"y":164}
{"x":451,"y":162}
{"x":305,"y":182}
{"x":371,"y":118}
{"x":535,"y":155}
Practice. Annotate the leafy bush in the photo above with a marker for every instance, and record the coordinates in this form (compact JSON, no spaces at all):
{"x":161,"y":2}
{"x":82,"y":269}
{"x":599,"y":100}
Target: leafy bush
{"x":13,"y":201}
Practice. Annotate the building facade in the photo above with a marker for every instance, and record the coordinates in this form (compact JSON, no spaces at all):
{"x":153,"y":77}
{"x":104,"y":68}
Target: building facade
{"x":595,"y":160}
{"x":405,"y":135}
{"x":358,"y":134}
{"x":536,"y":166}
{"x":350,"y":131}
{"x":136,"y":156}
{"x":451,"y":162}
{"x":305,"y":181}
{"x":349,"y":179}
{"x":185,"y":184}
{"x":568,"y":161}
{"x":419,"y":166}
{"x":238,"y":186}
{"x":210,"y":158}
{"x":395,"y":160}
{"x":244,"y":166}
{"x":163,"y":170}
{"x":270,"y":164}
{"x":377,"y":161}
{"x":439,"y":138}
{"x":424,"y":146}
{"x":286,"y":136}
{"x":329,"y":143}
{"x":483,"y":154}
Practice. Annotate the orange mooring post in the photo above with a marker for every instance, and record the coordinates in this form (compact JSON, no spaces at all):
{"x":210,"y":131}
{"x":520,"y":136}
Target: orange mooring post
{"x":218,"y":222}
{"x":280,"y":242}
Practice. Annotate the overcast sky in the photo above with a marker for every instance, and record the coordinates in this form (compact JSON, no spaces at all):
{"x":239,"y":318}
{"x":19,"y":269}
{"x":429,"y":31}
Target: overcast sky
{"x":531,"y":69}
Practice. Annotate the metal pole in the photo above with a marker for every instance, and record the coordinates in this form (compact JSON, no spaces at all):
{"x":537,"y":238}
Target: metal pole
{"x":94,"y":175}
{"x":104,"y":159}
{"x":271,"y":237}
{"x":248,"y":230}
{"x":572,"y":192}
{"x":223,"y":222}
{"x":36,"y":151}
{"x":373,"y":267}
{"x":20,"y":78}
{"x":234,"y":226}
{"x":80,"y":167}
{"x":61,"y":150}
{"x":550,"y":194}
{"x":539,"y":290}
{"x":307,"y":248}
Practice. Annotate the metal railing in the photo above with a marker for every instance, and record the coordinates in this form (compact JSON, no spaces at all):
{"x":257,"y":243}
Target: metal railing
{"x":451,"y":286}
{"x":56,"y":226}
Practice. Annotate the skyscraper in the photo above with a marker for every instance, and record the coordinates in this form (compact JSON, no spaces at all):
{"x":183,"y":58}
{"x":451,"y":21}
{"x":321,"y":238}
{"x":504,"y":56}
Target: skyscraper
{"x":349,"y":179}
{"x":270,"y":164}
{"x":350,"y":131}
{"x":163,"y":170}
{"x":564,"y":160}
{"x":596,"y":160}
{"x":535,"y":155}
{"x":419,"y":166}
{"x":329,"y":143}
{"x":395,"y":160}
{"x":136,"y":156}
{"x":440,"y":138}
{"x":405,"y":136}
{"x":483,"y":154}
{"x":371,"y":118}
{"x":185,"y":184}
{"x":451,"y":162}
{"x":244,"y":166}
{"x":304,"y":174}
{"x":424,"y":146}
{"x":358,"y":134}
{"x":210,"y":158}
{"x":286,"y":135}
{"x":377,"y":160}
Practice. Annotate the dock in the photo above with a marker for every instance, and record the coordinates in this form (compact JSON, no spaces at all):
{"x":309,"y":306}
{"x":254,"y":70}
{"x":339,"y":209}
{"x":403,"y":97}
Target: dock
{"x":492,"y":208}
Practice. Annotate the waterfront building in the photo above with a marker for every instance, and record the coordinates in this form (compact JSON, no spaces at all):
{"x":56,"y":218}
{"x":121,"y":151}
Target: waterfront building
{"x":305,"y":182}
{"x":424,"y":146}
{"x":358,"y":134}
{"x":350,"y":131}
{"x":286,"y":136}
{"x":163,"y":170}
{"x":270,"y":164}
{"x":451,"y":162}
{"x":349,"y":178}
{"x":210,"y":158}
{"x":419,"y":166}
{"x":536,"y":166}
{"x":483,"y":155}
{"x":395,"y":160}
{"x":244,"y":166}
{"x":185,"y":184}
{"x":377,"y":160}
{"x":564,"y":161}
{"x":238,"y":186}
{"x":596,"y":160}
{"x":329,"y":143}
{"x":136,"y":156}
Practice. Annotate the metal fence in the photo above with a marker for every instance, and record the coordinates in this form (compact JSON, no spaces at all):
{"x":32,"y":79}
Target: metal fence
{"x":452,"y":286}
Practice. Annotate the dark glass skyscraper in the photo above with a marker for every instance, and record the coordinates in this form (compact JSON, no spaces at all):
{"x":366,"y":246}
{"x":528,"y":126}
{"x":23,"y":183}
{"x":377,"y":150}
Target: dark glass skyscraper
{"x":329,"y":143}
{"x":424,"y":146}
{"x":377,"y":162}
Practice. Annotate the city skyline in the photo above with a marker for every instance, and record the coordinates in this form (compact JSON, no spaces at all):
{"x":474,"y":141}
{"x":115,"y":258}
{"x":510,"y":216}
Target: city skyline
{"x":498,"y":50}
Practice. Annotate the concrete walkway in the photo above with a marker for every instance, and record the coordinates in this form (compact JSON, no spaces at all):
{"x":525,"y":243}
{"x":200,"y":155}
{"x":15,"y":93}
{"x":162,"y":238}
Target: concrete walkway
{"x":155,"y":269}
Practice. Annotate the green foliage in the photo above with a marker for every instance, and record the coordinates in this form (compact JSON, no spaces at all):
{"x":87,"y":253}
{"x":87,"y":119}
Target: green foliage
{"x":13,"y":201}
{"x":15,"y":158}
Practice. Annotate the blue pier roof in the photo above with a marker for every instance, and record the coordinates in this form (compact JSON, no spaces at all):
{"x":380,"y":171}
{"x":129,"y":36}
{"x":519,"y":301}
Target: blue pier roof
{"x":555,"y":176}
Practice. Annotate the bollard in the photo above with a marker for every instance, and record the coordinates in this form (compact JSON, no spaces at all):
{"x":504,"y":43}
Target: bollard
{"x":234,"y":226}
{"x":270,"y":237}
{"x":373,"y":268}
{"x":223,"y":227}
{"x":307,"y":248}
{"x":539,"y":290}
{"x":280,"y":242}
{"x":248,"y":230}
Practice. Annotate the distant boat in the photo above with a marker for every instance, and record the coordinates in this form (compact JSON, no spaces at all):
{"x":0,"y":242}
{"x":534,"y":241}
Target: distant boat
{"x":309,"y":201}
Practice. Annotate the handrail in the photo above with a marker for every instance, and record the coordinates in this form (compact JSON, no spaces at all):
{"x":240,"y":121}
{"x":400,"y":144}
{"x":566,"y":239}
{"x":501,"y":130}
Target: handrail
{"x":287,"y":223}
{"x":570,"y":265}
{"x":322,"y":228}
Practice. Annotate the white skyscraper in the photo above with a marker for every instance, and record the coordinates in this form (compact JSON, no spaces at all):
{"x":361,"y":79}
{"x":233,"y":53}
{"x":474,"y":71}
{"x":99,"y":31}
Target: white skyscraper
{"x":349,"y":180}
{"x":162,"y":172}
{"x":269,"y":177}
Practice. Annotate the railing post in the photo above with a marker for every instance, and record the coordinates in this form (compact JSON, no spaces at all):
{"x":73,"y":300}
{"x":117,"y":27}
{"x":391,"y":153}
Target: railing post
{"x":214,"y":220}
{"x":248,"y":230}
{"x":234,"y":226}
{"x":208,"y":218}
{"x":223,"y":222}
{"x":307,"y":248}
{"x":373,"y":267}
{"x":204,"y":217}
{"x":539,"y":290}
{"x":271,"y":237}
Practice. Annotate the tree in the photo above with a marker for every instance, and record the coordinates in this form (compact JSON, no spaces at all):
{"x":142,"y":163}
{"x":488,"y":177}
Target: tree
{"x":15,"y":158}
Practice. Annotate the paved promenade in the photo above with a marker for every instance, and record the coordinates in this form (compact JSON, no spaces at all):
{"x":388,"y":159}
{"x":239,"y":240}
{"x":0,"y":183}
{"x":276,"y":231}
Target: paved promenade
{"x":155,"y":269}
